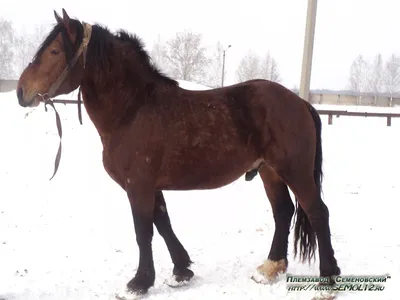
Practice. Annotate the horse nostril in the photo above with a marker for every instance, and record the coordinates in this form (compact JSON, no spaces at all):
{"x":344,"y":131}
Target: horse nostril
{"x":20,"y":95}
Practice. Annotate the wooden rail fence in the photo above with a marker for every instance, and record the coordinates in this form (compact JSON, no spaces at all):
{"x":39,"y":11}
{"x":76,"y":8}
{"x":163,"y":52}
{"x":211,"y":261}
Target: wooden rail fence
{"x":329,"y":113}
{"x":338,"y":113}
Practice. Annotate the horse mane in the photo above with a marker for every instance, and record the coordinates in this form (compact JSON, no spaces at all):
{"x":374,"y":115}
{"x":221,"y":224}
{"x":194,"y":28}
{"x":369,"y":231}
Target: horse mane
{"x":105,"y":52}
{"x":101,"y":49}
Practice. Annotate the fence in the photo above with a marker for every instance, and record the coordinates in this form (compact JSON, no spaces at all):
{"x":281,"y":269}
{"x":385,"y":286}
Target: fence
{"x":316,"y":97}
{"x":353,"y":100}
{"x":329,"y":113}
{"x":339,"y":113}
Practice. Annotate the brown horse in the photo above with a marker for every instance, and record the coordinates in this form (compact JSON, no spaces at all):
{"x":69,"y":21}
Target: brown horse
{"x":158,"y":136}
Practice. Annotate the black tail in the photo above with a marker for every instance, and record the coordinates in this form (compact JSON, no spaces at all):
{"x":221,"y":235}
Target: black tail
{"x":303,"y":230}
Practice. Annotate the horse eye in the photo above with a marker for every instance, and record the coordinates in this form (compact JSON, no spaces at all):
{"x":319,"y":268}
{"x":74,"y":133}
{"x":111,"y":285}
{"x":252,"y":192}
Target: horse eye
{"x":54,"y":52}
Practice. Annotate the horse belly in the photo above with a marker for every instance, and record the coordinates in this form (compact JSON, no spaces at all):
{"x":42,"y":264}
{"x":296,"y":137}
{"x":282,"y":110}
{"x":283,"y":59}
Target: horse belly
{"x":206,"y":170}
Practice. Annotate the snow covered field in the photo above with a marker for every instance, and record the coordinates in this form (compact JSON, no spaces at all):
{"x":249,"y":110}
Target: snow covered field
{"x":73,"y":238}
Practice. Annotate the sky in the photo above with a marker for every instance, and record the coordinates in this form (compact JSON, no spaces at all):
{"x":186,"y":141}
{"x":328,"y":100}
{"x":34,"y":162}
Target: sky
{"x":344,"y":29}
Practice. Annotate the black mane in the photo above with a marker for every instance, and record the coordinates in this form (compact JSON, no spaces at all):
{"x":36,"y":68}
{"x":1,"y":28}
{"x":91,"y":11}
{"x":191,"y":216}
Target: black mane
{"x":100,"y":48}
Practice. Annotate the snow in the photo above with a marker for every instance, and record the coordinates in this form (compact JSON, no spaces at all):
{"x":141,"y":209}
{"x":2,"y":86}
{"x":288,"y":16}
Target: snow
{"x":359,"y":108}
{"x":73,"y":237}
{"x":192,"y":85}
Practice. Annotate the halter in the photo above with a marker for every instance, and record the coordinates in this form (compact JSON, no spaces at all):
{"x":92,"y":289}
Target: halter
{"x":47,"y":97}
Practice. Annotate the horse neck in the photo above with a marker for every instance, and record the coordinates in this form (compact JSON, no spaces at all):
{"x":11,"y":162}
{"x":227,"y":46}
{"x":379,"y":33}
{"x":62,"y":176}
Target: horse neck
{"x":112,"y":93}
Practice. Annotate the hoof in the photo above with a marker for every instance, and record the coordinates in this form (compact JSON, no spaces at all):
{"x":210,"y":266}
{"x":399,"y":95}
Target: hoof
{"x":269,"y":271}
{"x":175,"y":281}
{"x":260,"y":278}
{"x":128,"y":294}
{"x":179,"y":278}
{"x":325,"y":295}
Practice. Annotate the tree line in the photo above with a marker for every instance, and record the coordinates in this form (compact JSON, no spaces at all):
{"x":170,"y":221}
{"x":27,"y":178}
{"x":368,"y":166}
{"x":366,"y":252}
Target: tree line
{"x":375,"y":77}
{"x":184,"y":57}
{"x":16,"y":50}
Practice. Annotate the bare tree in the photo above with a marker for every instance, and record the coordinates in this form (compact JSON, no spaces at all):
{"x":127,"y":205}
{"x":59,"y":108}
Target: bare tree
{"x":214,"y":71}
{"x":269,"y":68}
{"x":7,"y":34}
{"x":186,"y":57}
{"x":392,"y":76}
{"x":249,"y":67}
{"x":253,"y":67}
{"x":159,"y":55}
{"x":26,"y":46}
{"x":358,"y":75}
{"x":376,"y":77}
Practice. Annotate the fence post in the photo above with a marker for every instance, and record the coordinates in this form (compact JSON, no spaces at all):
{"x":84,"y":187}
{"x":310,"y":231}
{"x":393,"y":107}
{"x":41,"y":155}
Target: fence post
{"x":389,"y":121}
{"x":330,"y":119}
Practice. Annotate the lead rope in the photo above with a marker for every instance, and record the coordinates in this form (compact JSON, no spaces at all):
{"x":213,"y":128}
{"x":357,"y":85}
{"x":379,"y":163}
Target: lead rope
{"x":46,"y":98}
{"x":48,"y":101}
{"x":80,"y":105}
{"x":59,"y":128}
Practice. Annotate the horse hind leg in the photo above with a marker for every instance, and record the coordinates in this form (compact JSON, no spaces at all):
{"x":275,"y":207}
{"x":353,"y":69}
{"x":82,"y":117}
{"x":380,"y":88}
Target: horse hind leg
{"x":181,"y":273}
{"x":283,"y":210}
{"x":313,"y":220}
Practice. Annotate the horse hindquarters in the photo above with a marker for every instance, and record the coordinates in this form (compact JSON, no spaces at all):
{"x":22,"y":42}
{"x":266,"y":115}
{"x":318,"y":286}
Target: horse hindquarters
{"x":296,"y":157}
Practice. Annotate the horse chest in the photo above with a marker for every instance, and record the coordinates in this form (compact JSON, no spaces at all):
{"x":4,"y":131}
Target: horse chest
{"x":111,"y":170}
{"x":122,"y":159}
{"x":113,"y":158}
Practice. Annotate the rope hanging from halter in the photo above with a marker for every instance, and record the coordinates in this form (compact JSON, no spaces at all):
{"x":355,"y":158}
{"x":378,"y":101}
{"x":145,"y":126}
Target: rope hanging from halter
{"x":47,"y":97}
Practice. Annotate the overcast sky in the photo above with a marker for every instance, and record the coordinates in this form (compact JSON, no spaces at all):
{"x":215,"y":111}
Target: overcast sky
{"x":344,"y":28}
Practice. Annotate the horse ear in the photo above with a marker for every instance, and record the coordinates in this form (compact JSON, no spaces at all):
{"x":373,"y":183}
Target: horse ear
{"x":58,"y":18}
{"x":66,"y":20}
{"x":65,"y":16}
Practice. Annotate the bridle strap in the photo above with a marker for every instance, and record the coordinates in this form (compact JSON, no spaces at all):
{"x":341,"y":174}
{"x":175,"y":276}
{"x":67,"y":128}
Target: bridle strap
{"x":47,"y":97}
{"x":87,"y":33}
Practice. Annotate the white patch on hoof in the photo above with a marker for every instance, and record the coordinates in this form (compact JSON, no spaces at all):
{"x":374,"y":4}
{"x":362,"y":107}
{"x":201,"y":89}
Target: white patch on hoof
{"x":128,"y":295}
{"x":260,"y":278}
{"x":325,"y":295}
{"x":269,"y":271}
{"x":172,"y":282}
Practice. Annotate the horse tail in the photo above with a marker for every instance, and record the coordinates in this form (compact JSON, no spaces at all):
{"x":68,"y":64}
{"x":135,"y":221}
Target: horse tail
{"x":303,"y":232}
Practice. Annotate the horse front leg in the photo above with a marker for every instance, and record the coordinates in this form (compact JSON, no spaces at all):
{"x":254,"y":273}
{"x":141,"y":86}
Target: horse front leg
{"x":141,"y":198}
{"x":181,"y":273}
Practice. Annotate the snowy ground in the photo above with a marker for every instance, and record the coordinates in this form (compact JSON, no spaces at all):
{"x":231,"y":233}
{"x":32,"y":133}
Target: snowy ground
{"x":73,"y":237}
